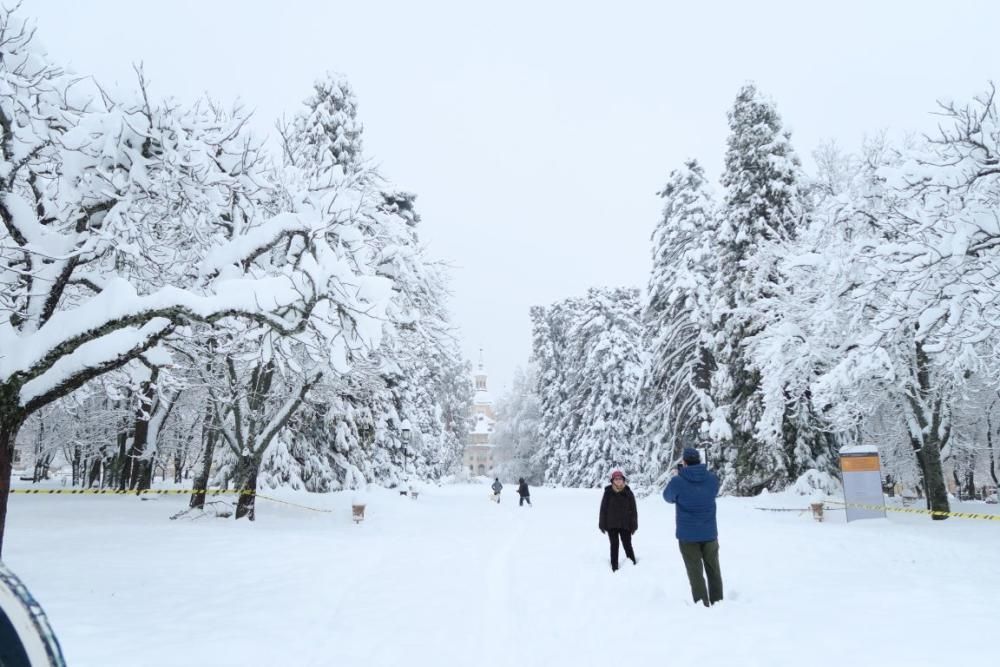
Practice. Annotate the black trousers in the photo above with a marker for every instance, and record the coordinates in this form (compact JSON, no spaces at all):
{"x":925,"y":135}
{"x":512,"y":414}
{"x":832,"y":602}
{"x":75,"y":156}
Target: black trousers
{"x":699,"y":556}
{"x":523,"y":499}
{"x":614,"y":534}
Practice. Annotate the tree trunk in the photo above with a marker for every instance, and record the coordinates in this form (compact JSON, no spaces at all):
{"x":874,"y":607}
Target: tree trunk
{"x":40,"y":467}
{"x":247,"y":469}
{"x":178,"y":468}
{"x":989,"y":443}
{"x":77,"y":472}
{"x":118,"y":474}
{"x":95,"y":472}
{"x":928,"y":445}
{"x":11,"y":419}
{"x":970,"y":483}
{"x":139,"y":469}
{"x":182,"y":455}
{"x":208,"y":435}
{"x":7,"y":434}
{"x":144,"y":475}
{"x":929,"y":458}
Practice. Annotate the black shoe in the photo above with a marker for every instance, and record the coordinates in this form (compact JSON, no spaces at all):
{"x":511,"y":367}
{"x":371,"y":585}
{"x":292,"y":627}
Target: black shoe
{"x":634,"y":561}
{"x":614,"y":568}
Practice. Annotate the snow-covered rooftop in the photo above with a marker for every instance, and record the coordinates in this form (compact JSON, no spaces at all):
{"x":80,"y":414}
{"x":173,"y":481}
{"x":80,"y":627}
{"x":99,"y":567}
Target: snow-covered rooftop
{"x":483,"y":424}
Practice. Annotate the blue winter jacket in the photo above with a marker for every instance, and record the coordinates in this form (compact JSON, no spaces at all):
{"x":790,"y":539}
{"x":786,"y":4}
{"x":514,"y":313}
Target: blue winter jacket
{"x":693,"y":491}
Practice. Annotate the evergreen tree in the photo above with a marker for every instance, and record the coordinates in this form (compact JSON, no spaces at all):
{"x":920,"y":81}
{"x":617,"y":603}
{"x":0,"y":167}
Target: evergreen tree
{"x":517,"y":435}
{"x":588,"y":352}
{"x":398,"y":415}
{"x":606,"y":345}
{"x":550,"y":352}
{"x":674,"y":407}
{"x":762,"y":205}
{"x":327,"y":133}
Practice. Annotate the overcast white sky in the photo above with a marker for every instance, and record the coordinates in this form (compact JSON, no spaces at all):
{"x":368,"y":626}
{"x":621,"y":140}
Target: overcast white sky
{"x":536,"y":134}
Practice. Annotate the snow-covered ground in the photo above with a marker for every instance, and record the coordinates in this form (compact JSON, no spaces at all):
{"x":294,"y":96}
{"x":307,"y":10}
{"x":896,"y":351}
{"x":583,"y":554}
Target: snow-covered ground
{"x":452,"y":579}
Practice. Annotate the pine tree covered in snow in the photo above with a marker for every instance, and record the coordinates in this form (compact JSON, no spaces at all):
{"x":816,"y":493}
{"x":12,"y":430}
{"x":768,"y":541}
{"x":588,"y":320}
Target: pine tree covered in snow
{"x":327,"y":134}
{"x":762,"y":208}
{"x":517,"y":435}
{"x":591,"y":347}
{"x":396,"y":418}
{"x":550,"y":352}
{"x":674,"y":407}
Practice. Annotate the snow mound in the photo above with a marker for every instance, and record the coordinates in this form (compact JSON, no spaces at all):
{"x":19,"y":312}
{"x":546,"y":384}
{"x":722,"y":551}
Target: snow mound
{"x":816,"y":484}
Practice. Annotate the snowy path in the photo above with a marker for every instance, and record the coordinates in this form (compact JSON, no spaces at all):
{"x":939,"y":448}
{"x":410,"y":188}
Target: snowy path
{"x":452,"y":579}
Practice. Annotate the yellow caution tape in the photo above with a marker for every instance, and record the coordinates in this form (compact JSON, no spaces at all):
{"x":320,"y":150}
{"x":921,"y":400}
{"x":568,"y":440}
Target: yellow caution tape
{"x":119,"y":492}
{"x":917,"y":510}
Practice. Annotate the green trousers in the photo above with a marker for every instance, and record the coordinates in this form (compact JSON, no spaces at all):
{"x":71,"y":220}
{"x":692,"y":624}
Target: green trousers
{"x":699,"y":556}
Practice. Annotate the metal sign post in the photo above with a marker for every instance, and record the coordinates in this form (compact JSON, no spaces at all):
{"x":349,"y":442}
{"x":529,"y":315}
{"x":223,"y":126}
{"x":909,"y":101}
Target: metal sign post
{"x":862,"y":473}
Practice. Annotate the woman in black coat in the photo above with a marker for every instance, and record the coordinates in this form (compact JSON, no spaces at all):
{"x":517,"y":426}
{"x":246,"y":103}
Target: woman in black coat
{"x":619,"y":517}
{"x":522,"y":490}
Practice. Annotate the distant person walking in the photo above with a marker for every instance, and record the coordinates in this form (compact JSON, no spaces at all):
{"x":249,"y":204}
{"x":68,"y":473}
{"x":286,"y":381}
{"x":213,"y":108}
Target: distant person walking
{"x":497,"y":487}
{"x":619,"y":517}
{"x":693,"y":490}
{"x":522,"y":490}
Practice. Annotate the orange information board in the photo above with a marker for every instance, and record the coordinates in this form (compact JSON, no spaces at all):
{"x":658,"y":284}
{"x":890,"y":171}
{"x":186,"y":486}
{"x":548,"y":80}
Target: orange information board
{"x":864,"y":463}
{"x":862,"y":475}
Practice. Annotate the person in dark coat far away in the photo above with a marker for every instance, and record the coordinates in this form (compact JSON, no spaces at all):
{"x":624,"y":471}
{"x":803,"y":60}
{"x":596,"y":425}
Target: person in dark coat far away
{"x":522,"y":490}
{"x":497,"y":487}
{"x":693,"y":490}
{"x":619,"y":517}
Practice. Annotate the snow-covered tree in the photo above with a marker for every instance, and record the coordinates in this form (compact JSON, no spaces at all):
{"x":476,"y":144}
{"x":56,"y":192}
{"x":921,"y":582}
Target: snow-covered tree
{"x":327,"y":133}
{"x":397,"y":417}
{"x":884,"y":308}
{"x":599,"y":367}
{"x":517,"y":436}
{"x":550,"y":352}
{"x":84,"y":175}
{"x":674,"y":408}
{"x":763,"y":205}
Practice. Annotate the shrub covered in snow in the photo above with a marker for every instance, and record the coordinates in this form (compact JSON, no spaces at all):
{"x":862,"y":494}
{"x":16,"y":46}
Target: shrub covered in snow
{"x":814,"y":483}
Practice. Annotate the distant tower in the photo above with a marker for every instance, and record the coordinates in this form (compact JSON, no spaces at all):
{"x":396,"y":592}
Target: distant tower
{"x":479,"y":456}
{"x":480,"y":373}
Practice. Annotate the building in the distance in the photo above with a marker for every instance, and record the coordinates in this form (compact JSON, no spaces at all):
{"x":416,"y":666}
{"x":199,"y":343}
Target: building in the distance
{"x":480,"y":455}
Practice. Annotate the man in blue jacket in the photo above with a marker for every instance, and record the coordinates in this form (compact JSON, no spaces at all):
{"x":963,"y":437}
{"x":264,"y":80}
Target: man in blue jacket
{"x":692,"y":490}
